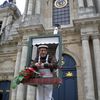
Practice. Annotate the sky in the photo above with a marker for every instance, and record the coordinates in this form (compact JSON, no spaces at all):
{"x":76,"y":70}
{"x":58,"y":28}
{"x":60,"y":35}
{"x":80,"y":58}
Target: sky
{"x":20,"y":4}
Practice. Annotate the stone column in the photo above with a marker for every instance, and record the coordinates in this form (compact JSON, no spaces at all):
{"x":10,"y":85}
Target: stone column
{"x":37,"y":7}
{"x":98,"y":5}
{"x":17,"y":65}
{"x":96,"y":47}
{"x":31,"y":89}
{"x":30,"y":7}
{"x":21,"y":88}
{"x":30,"y":93}
{"x":80,"y":3}
{"x":25,"y":10}
{"x":87,"y":65}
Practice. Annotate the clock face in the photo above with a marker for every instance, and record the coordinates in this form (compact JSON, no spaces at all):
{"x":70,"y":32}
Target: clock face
{"x":60,"y":3}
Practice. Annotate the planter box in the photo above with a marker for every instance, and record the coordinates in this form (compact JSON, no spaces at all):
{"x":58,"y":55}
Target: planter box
{"x":37,"y":81}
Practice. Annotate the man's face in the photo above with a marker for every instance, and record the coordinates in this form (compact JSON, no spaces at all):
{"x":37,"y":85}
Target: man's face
{"x":43,"y":52}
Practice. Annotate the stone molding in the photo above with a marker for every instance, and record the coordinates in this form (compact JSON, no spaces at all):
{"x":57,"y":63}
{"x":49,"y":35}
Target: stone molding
{"x":6,"y":76}
{"x":86,"y":21}
{"x":24,"y":43}
{"x":95,"y":36}
{"x":19,"y":47}
{"x":30,"y":28}
{"x":85,"y":37}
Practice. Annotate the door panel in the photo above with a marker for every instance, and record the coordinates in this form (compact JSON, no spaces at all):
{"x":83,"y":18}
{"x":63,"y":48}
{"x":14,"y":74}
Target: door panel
{"x":4,"y":90}
{"x":68,"y":88}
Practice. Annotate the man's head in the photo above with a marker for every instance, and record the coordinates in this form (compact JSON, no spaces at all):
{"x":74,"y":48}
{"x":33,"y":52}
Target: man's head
{"x":43,"y":49}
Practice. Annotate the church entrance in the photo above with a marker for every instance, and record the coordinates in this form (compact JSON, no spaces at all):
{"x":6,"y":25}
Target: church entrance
{"x":4,"y":90}
{"x":68,"y":89}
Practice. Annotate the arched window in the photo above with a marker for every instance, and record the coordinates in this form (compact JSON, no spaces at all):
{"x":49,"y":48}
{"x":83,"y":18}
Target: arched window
{"x":61,"y":15}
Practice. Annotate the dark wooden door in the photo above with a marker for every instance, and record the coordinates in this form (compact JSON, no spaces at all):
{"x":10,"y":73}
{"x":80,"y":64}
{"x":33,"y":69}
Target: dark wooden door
{"x":68,"y":89}
{"x":4,"y":90}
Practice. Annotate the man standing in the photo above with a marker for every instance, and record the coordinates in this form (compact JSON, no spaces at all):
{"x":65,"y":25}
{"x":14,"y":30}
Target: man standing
{"x":44,"y":92}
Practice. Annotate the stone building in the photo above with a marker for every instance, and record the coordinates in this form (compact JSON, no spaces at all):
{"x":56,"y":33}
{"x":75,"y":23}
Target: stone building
{"x":80,"y":30}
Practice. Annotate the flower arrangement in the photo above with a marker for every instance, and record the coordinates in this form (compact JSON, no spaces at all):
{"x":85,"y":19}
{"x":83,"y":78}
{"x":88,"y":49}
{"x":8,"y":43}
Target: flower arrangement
{"x":25,"y":75}
{"x":31,"y":72}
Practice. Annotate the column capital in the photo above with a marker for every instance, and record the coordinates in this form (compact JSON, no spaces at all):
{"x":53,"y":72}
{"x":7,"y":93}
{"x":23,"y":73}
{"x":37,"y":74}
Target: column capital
{"x":95,"y":36}
{"x":24,"y":43}
{"x":19,"y":48}
{"x":85,"y":37}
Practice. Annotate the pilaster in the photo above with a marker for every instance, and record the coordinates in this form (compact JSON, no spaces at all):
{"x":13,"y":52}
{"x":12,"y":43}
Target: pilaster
{"x":25,"y":10}
{"x":90,"y":3}
{"x":37,"y":7}
{"x":21,"y":88}
{"x":96,"y":47}
{"x":80,"y":3}
{"x":87,"y":68}
{"x":17,"y":65}
{"x":30,"y":93}
{"x":98,"y":5}
{"x":30,"y":7}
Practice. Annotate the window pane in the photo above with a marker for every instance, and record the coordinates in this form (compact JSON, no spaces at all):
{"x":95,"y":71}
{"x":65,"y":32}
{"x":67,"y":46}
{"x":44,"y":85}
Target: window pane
{"x":61,"y":15}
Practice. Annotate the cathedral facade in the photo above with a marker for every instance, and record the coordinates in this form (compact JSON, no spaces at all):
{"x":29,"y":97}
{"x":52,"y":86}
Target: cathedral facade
{"x":80,"y":32}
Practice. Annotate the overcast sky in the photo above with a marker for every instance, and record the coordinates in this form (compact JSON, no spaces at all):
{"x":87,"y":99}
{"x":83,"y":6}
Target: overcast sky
{"x":20,"y":4}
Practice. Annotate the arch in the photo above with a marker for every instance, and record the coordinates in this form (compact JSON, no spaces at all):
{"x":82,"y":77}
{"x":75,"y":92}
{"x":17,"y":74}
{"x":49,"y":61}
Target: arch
{"x":70,"y":62}
{"x":67,"y":52}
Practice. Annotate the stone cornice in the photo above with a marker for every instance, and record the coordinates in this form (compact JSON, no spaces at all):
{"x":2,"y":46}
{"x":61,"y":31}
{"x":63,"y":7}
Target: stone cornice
{"x":30,"y":28}
{"x":69,"y":31}
{"x":86,"y":21}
